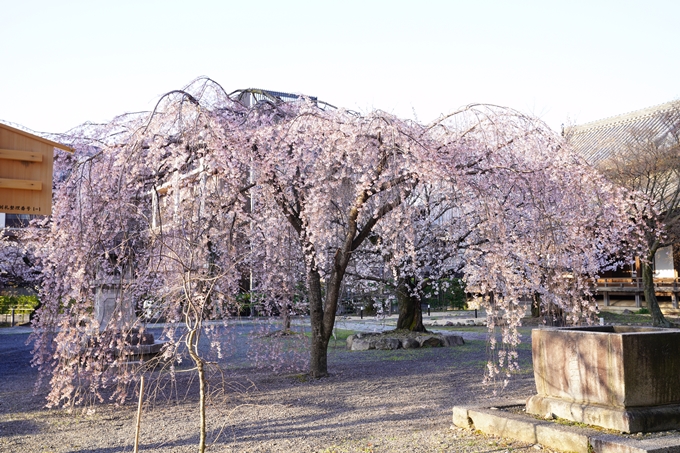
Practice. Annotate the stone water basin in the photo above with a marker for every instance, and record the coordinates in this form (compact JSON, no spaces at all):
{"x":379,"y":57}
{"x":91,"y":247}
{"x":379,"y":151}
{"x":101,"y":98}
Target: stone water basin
{"x":617,"y":377}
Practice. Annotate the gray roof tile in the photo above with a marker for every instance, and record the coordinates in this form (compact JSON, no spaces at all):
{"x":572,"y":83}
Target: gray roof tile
{"x":655,"y":126}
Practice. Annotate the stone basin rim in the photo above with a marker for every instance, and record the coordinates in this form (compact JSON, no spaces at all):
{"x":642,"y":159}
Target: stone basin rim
{"x":615,"y":330}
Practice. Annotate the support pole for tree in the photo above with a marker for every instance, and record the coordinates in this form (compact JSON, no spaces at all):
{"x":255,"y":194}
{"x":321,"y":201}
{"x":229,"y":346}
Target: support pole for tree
{"x":139,"y":413}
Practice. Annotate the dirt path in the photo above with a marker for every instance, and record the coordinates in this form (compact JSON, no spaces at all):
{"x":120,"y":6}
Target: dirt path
{"x":375,"y":401}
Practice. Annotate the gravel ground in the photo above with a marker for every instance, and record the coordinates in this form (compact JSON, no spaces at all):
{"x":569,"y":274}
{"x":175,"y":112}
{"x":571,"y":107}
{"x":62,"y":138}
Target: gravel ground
{"x":374,"y":401}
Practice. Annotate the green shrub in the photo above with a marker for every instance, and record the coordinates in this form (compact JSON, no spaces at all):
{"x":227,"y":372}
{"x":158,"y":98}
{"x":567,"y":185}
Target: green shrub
{"x":451,"y":294}
{"x":20,"y":302}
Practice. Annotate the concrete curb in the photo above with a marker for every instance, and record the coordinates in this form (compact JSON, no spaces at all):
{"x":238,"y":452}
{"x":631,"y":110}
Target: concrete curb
{"x":16,"y":330}
{"x":492,"y":420}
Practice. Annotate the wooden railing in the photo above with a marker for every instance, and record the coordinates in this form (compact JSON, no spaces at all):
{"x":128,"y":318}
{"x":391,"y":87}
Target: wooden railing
{"x":633,"y":286}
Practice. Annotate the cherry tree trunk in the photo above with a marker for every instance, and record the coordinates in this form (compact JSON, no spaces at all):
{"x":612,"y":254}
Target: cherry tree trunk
{"x":410,"y":310}
{"x":536,"y":306}
{"x":318,"y":366}
{"x":658,"y":319}
{"x":285,"y":317}
{"x":551,"y":313}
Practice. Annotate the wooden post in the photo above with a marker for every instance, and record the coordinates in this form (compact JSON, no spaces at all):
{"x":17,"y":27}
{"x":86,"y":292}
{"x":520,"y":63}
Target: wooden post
{"x":139,"y":413}
{"x":606,"y":298}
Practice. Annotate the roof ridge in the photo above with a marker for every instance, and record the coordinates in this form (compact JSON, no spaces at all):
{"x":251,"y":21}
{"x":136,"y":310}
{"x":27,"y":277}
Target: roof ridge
{"x":22,"y":130}
{"x":625,"y":117}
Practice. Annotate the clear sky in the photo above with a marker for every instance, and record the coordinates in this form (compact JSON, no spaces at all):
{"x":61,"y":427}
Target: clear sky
{"x":66,"y":62}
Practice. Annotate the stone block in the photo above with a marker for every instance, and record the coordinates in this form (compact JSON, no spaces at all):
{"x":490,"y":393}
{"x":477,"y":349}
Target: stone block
{"x":460,"y":417}
{"x":430,"y":341}
{"x":112,"y":308}
{"x":362,"y":344}
{"x":135,"y":338}
{"x":453,"y":340}
{"x":627,"y":420}
{"x":609,"y":365}
{"x":608,"y":443}
{"x":387,"y":343}
{"x":610,"y":376}
{"x":350,"y":339}
{"x":557,"y":437}
{"x":410,"y":343}
{"x":514,"y":426}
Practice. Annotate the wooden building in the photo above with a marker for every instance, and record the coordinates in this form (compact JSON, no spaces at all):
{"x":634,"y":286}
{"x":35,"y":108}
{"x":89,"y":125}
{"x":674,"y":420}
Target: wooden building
{"x":628,"y":138}
{"x":26,"y":164}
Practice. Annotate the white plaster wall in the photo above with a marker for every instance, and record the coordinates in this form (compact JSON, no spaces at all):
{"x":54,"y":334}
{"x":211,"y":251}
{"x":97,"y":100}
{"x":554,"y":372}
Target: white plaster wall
{"x":663,"y":263}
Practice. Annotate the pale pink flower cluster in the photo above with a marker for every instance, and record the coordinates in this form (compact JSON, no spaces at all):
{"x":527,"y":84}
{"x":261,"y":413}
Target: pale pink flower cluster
{"x":205,"y":200}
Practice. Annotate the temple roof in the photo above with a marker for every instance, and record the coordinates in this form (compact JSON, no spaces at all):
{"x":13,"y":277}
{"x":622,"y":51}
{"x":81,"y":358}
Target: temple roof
{"x":652,"y":126}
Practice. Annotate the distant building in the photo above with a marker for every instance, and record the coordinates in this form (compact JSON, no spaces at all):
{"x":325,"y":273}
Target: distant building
{"x":251,"y":96}
{"x":26,"y":165}
{"x":600,"y":142}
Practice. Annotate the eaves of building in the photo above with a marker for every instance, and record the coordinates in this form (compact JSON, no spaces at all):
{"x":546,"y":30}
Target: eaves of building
{"x":599,"y":140}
